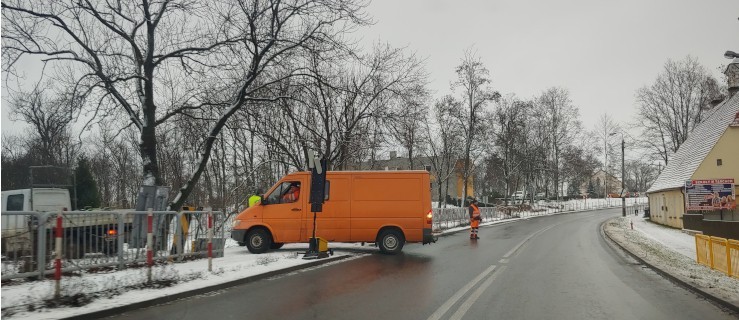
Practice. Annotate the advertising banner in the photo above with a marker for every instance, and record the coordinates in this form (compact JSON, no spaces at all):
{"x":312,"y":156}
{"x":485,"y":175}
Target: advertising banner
{"x":710,"y":194}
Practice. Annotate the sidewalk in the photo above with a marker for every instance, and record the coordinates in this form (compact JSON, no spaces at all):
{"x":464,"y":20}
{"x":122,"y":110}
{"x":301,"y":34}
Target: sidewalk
{"x":674,"y":239}
{"x":671,"y":252}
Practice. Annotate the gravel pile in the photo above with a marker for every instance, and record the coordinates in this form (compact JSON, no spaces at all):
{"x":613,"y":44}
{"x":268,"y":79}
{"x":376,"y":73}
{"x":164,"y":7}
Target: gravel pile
{"x":678,"y":265}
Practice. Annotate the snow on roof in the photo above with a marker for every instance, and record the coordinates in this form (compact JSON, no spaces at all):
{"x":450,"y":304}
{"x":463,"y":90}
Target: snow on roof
{"x":699,"y":143}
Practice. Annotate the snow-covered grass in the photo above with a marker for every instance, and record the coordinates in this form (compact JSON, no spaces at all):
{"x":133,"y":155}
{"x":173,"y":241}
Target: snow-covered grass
{"x":92,"y":292}
{"x":661,"y":247}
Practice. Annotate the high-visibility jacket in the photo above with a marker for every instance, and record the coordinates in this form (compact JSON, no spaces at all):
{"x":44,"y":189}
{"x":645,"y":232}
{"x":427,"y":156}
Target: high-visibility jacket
{"x":474,"y":216}
{"x":254,"y":199}
{"x":292,"y":195}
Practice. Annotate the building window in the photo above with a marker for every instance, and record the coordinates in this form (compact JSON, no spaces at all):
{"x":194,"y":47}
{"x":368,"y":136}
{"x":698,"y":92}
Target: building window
{"x":719,"y":162}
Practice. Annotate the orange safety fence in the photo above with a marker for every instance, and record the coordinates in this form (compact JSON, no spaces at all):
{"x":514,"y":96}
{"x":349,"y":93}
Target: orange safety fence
{"x":734,"y":258}
{"x":718,"y":253}
{"x":703,"y":250}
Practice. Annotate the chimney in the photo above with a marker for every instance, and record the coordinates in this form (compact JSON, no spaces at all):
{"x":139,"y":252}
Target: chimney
{"x":393,"y":154}
{"x":732,"y":75}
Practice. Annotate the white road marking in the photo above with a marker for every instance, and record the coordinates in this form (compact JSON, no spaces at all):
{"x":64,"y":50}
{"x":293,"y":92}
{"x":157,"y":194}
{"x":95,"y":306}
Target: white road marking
{"x":476,"y":295}
{"x":529,"y":238}
{"x":449,"y":303}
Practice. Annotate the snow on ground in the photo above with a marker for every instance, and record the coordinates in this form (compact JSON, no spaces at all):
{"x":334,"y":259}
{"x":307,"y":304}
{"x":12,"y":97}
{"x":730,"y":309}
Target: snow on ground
{"x":101,"y":291}
{"x":113,"y":289}
{"x":95,"y":291}
{"x":654,"y":244}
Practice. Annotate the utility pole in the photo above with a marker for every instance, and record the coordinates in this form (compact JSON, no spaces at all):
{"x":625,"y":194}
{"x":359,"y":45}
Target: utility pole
{"x":623,"y":177}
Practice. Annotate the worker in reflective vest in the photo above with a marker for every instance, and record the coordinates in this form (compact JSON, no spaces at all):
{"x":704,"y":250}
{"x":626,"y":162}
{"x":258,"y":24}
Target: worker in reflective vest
{"x":253,"y":200}
{"x":292,"y":194}
{"x":475,"y":218}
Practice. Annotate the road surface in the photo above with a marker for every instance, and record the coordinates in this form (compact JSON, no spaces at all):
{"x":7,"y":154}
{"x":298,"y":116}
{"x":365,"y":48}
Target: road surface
{"x":555,"y":267}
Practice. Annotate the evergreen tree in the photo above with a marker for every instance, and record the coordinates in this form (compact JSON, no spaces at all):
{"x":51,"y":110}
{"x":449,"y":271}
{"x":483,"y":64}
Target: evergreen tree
{"x":591,"y":189}
{"x":87,"y":190}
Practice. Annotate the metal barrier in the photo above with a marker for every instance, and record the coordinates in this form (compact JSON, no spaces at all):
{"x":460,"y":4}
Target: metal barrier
{"x":105,"y":239}
{"x":447,"y":218}
{"x":718,"y":253}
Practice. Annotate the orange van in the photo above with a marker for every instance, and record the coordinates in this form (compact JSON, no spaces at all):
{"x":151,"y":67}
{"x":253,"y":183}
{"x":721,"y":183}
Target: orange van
{"x":386,"y":207}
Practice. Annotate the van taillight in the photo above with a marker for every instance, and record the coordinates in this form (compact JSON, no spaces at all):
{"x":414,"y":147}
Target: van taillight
{"x":112,"y":232}
{"x":429,"y":217}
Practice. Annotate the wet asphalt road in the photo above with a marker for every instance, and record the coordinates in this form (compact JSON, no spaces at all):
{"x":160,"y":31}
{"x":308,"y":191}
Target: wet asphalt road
{"x":556,"y":267}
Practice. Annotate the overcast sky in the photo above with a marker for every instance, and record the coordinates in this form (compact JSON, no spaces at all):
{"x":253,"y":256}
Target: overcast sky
{"x":601,"y":51}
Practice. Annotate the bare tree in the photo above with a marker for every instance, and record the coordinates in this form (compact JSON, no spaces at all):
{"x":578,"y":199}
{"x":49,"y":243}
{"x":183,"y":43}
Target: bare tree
{"x":563,"y":125}
{"x":509,"y":133}
{"x":473,"y":81}
{"x":673,"y":105}
{"x":49,"y":115}
{"x":605,"y":130}
{"x":403,"y":123}
{"x":211,"y":55}
{"x":444,"y":148}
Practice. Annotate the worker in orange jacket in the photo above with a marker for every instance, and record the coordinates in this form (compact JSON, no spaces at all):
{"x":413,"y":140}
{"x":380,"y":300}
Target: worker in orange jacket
{"x":292,"y":194}
{"x":475,"y":218}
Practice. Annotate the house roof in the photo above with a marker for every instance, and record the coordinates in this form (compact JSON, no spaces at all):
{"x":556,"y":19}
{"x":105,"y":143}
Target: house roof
{"x":699,"y":143}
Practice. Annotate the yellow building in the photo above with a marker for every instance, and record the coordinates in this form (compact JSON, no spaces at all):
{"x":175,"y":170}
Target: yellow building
{"x":710,"y":152}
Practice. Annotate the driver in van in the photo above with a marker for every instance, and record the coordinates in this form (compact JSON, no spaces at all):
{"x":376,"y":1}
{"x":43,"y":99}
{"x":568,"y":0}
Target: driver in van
{"x":292,"y":194}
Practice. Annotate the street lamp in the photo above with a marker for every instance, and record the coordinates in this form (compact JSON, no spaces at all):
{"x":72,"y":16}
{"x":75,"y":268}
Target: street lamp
{"x":623,"y":175}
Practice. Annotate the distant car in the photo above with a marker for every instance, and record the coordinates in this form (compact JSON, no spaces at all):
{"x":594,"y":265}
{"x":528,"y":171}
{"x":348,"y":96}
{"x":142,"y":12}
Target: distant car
{"x":541,"y":195}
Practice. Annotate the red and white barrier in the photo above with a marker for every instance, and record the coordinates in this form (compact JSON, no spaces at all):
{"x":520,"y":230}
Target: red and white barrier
{"x":210,"y":241}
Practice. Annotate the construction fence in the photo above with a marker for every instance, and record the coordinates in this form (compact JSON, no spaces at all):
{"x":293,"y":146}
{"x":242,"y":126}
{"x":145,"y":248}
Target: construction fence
{"x":40,"y":244}
{"x":447,"y":218}
{"x":718,"y":253}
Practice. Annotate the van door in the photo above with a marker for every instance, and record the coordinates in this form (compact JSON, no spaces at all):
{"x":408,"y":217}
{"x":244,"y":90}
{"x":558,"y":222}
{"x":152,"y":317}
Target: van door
{"x":283,"y":211}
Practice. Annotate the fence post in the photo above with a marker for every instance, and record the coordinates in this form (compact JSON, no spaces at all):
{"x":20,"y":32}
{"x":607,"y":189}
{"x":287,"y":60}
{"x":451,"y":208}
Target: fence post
{"x":58,"y":261}
{"x":210,"y":241}
{"x":728,"y":258}
{"x":710,"y":249}
{"x":41,"y":244}
{"x":121,"y":238}
{"x":149,"y":243}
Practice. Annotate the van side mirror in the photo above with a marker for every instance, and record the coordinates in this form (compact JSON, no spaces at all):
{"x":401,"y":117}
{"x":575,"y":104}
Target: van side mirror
{"x":263,"y":201}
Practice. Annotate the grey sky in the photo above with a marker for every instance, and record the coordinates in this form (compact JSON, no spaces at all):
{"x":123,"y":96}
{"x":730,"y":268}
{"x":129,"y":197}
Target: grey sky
{"x":602,"y":51}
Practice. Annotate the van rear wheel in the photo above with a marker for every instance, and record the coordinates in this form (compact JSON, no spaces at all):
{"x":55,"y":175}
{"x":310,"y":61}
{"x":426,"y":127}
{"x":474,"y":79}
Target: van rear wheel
{"x":258,"y":241}
{"x":391,"y":241}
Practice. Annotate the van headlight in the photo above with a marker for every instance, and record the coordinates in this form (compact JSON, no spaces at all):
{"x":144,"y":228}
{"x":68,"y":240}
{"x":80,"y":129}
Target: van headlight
{"x":235,"y":223}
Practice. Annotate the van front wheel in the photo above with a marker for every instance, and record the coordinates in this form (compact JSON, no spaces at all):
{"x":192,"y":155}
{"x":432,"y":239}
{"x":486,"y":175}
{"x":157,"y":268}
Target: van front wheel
{"x":258,"y":241}
{"x":390,"y":241}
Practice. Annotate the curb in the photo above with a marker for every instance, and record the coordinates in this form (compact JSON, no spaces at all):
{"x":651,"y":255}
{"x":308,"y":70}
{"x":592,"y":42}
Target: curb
{"x":723,"y":303}
{"x":199,"y":291}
